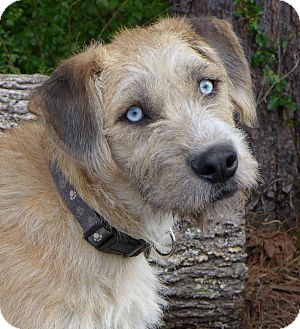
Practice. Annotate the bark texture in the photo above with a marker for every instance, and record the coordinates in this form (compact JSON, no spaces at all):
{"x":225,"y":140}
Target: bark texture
{"x":14,"y":96}
{"x":205,"y":278}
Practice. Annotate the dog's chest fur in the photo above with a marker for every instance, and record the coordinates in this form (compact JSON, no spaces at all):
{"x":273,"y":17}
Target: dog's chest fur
{"x":49,"y":275}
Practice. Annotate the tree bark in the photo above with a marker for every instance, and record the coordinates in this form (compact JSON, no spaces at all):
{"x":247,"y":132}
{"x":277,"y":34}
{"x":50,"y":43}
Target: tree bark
{"x":14,"y":96}
{"x":205,"y":278}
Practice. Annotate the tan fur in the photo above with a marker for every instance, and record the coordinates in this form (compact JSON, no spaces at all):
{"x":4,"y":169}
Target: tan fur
{"x":135,"y":175}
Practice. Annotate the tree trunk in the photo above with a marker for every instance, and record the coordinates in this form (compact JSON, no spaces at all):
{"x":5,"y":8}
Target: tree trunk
{"x":205,"y":278}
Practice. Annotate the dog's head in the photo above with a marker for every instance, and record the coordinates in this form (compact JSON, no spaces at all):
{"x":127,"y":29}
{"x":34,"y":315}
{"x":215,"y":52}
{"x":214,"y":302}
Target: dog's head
{"x":156,"y":107}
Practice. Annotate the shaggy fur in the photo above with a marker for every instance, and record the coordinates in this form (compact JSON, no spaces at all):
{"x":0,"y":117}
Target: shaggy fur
{"x":137,"y":176}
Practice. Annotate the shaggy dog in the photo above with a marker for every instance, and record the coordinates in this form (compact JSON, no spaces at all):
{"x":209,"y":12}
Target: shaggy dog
{"x":132,"y":135}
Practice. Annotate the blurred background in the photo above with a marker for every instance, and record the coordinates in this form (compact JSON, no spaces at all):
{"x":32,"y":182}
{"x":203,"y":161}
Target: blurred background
{"x":36,"y":35}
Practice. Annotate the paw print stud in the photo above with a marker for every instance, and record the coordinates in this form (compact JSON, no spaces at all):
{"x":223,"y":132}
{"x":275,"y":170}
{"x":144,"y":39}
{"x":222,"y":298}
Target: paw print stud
{"x":73,"y":195}
{"x":97,"y":237}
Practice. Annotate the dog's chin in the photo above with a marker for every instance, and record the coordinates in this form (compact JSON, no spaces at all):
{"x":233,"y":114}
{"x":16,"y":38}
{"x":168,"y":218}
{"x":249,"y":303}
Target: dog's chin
{"x":223,"y":192}
{"x":222,"y":198}
{"x":222,"y":207}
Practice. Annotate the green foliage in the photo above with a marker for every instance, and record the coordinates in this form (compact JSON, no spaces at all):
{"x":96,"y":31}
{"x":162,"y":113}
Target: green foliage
{"x":266,"y":56}
{"x":35,"y":35}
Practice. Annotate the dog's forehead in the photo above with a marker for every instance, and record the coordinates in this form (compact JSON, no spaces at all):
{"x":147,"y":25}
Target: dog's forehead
{"x":155,"y":59}
{"x":164,"y":48}
{"x":159,"y":59}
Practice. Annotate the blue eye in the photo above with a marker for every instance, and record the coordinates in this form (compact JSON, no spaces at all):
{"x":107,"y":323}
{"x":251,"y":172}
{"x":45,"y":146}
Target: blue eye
{"x":206,"y":86}
{"x":134,"y":114}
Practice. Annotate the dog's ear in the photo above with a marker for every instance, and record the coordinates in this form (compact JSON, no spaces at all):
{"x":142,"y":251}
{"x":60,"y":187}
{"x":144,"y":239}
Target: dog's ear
{"x":68,"y":103}
{"x":218,"y":34}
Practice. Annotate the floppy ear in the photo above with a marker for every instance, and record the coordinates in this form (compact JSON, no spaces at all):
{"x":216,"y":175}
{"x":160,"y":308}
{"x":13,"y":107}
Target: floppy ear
{"x":68,"y":104}
{"x":218,"y":34}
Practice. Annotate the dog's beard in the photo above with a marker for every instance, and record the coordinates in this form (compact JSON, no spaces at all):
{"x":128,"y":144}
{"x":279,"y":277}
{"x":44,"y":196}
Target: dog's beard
{"x":195,"y":203}
{"x":218,"y":211}
{"x":223,"y":191}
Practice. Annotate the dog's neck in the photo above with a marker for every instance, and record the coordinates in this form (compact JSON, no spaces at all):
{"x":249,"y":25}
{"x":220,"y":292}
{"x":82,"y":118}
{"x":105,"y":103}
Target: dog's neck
{"x":124,"y":208}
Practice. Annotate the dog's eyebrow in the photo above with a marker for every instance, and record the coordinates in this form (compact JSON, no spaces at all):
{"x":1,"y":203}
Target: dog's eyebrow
{"x":197,"y":70}
{"x":196,"y":66}
{"x":201,"y":52}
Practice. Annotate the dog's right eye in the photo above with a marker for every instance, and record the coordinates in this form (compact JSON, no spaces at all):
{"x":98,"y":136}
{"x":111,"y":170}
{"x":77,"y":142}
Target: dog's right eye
{"x":206,"y":86}
{"x":134,"y":114}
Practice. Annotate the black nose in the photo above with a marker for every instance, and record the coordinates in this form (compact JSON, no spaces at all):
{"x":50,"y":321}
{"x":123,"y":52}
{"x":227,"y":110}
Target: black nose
{"x":217,"y":164}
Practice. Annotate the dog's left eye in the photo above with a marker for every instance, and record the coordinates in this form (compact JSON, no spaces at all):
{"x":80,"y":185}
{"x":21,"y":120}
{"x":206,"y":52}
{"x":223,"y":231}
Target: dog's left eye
{"x":206,"y":86}
{"x":134,"y":114}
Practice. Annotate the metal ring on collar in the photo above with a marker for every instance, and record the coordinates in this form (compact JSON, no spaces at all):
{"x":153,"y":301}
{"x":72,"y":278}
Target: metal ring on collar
{"x":172,"y":250}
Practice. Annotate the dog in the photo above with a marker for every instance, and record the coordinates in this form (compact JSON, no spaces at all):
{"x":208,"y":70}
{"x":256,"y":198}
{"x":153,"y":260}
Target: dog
{"x":138,"y":133}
